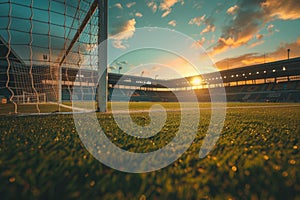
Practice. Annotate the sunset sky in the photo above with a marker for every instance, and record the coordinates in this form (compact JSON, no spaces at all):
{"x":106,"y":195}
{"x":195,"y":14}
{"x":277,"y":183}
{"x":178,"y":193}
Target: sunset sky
{"x":234,"y":33}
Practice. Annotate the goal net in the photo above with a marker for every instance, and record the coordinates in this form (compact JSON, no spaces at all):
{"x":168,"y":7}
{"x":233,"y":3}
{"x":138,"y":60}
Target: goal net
{"x":47,"y":49}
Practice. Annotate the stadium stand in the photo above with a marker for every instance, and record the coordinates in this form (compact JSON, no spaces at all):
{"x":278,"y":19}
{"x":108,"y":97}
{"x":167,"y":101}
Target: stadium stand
{"x":270,"y":82}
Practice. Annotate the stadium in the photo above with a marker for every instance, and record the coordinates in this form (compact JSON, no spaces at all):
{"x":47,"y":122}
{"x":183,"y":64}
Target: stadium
{"x":55,"y":81}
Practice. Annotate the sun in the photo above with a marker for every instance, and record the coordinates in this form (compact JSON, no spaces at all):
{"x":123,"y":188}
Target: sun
{"x":196,"y":81}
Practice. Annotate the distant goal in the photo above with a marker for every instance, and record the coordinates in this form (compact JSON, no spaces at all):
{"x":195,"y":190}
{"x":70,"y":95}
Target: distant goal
{"x":30,"y":98}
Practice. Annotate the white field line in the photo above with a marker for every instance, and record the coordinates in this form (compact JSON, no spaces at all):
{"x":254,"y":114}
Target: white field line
{"x":74,"y":108}
{"x":75,"y":111}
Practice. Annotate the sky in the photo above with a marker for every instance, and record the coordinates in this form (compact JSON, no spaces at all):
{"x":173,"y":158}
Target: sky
{"x":229,"y":34}
{"x":233,"y":33}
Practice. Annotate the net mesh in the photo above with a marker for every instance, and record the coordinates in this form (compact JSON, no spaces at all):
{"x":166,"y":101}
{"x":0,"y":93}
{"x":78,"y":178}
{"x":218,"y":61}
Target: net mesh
{"x":44,"y":47}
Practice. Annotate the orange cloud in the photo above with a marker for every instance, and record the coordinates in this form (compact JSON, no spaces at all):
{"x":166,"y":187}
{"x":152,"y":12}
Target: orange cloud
{"x":138,"y":14}
{"x":197,"y":20}
{"x":250,"y":18}
{"x":259,"y":42}
{"x":282,"y":9}
{"x":167,"y":5}
{"x":118,"y":5}
{"x":254,"y":58}
{"x":231,"y":42}
{"x":241,"y":61}
{"x":153,"y":6}
{"x":259,"y":36}
{"x":166,"y":13}
{"x":199,"y":43}
{"x":125,"y":31}
{"x":232,"y":10}
{"x":209,"y":28}
{"x":172,"y":23}
{"x":129,"y":5}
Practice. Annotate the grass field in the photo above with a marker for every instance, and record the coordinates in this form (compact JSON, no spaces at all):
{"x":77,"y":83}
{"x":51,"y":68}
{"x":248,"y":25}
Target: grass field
{"x":8,"y":109}
{"x":256,"y":157}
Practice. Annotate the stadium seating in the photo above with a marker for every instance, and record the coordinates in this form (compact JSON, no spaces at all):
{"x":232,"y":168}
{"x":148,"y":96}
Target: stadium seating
{"x":268,"y":92}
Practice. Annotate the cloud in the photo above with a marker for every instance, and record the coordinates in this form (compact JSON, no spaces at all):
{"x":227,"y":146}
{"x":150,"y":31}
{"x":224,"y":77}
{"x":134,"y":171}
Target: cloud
{"x":232,"y":10}
{"x":127,"y":26}
{"x":257,"y":43}
{"x":242,"y":29}
{"x":124,"y":31}
{"x":199,"y":43}
{"x":259,"y":36}
{"x":270,"y":28}
{"x":153,"y":6}
{"x":251,"y":16}
{"x":208,"y":21}
{"x":243,"y":60}
{"x":281,"y":52}
{"x":129,"y":5}
{"x":166,"y":13}
{"x":254,"y":58}
{"x":282,"y":9}
{"x":172,"y":23}
{"x":118,"y":5}
{"x":209,"y":28}
{"x":119,"y":44}
{"x":234,"y":62}
{"x":167,"y":5}
{"x":138,"y":14}
{"x":197,"y":20}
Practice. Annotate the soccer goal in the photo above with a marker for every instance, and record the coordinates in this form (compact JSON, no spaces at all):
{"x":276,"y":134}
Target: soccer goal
{"x":32,"y":98}
{"x":50,"y":47}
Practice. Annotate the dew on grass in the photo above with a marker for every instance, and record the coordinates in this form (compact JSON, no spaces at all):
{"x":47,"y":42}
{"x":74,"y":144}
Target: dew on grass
{"x":142,"y":197}
{"x":284,"y":174}
{"x":92,"y":183}
{"x":234,"y":168}
{"x":295,"y":147}
{"x":292,"y":162}
{"x":266,"y":157}
{"x":12,"y":179}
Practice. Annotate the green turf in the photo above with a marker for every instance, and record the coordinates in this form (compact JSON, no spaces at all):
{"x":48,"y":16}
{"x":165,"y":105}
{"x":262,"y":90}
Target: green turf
{"x":257,"y":157}
{"x":9,"y":109}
